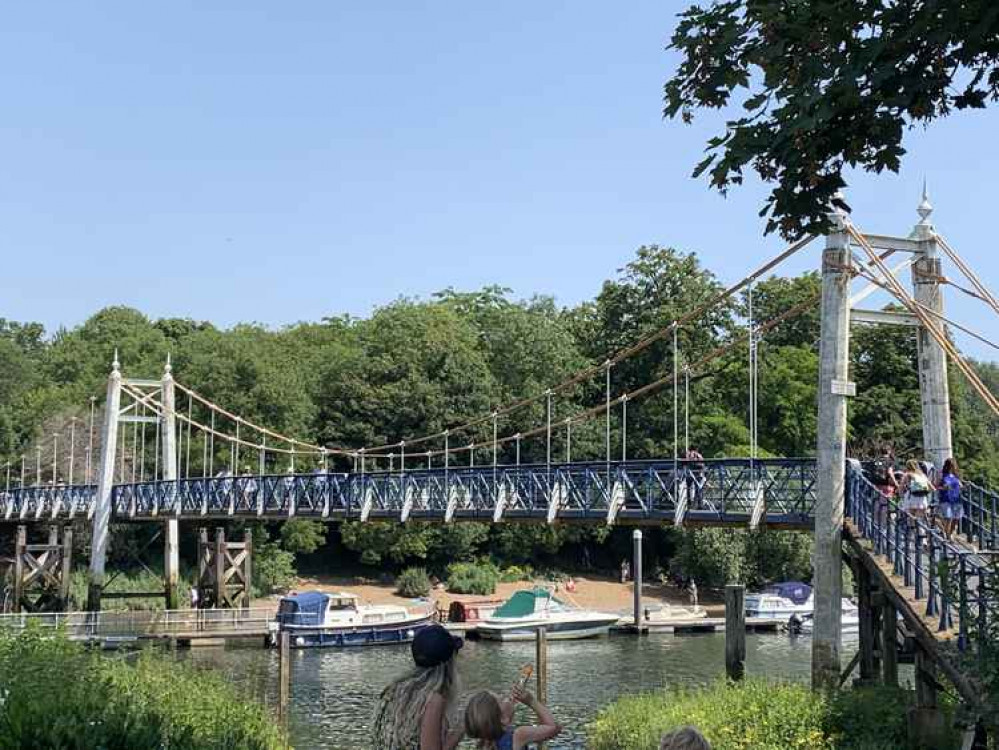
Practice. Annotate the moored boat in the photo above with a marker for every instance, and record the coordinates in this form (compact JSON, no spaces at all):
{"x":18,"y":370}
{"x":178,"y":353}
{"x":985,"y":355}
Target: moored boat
{"x":523,"y":613}
{"x":780,"y":601}
{"x":315,"y":619}
{"x":849,"y":620}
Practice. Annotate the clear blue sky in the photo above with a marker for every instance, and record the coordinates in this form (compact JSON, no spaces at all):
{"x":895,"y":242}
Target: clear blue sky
{"x":275,"y":162}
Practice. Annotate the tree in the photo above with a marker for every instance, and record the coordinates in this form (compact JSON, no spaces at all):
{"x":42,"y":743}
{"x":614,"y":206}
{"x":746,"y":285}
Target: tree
{"x":822,"y":85}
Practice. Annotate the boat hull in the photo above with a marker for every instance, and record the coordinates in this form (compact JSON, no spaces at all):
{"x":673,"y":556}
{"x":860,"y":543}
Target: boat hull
{"x":355,"y":636}
{"x":559,"y":631}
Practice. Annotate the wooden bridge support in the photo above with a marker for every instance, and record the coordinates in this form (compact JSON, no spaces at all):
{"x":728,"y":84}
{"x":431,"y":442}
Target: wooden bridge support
{"x":42,"y":571}
{"x":735,"y":632}
{"x":225,"y":571}
{"x":168,"y":443}
{"x":834,"y":350}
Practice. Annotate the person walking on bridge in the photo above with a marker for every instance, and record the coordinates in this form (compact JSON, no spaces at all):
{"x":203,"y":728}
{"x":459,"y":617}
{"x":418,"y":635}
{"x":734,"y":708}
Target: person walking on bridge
{"x":916,"y":489}
{"x":950,"y":509}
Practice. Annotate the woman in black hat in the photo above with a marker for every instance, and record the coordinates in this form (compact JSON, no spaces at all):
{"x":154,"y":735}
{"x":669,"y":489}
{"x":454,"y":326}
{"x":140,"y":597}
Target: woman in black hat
{"x":413,"y":711}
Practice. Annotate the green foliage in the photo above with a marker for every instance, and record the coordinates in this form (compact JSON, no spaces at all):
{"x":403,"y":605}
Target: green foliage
{"x":715,"y":557}
{"x":758,"y":715}
{"x":413,"y":582}
{"x":869,"y":718}
{"x":515,"y":573}
{"x":813,"y":88}
{"x":472,"y":578}
{"x":59,"y":695}
{"x":302,"y":537}
{"x":128,"y":581}
{"x":273,"y":569}
{"x":753,"y":715}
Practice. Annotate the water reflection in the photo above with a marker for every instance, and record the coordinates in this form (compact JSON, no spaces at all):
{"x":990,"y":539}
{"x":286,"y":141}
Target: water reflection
{"x":334,"y":692}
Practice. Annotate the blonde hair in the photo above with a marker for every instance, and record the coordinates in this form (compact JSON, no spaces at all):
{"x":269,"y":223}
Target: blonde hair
{"x":684,"y":738}
{"x":913,"y":466}
{"x":484,"y":719}
{"x":399,"y":714}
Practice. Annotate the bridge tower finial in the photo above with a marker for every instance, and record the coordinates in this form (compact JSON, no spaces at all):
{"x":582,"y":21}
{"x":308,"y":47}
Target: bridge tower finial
{"x":168,"y":368}
{"x":924,"y":227}
{"x":115,"y":364}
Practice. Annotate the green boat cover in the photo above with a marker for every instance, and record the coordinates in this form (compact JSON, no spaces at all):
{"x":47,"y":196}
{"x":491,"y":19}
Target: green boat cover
{"x":525,"y":603}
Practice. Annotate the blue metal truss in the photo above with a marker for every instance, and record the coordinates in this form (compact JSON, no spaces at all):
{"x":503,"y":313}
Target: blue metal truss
{"x":720,"y":492}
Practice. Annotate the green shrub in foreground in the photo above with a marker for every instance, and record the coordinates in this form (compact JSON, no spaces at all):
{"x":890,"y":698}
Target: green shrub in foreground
{"x":413,"y":582}
{"x":58,"y":695}
{"x":755,"y":715}
{"x":472,"y":578}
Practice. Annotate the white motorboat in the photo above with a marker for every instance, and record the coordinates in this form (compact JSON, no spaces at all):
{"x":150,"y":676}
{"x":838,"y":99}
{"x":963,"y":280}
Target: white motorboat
{"x":849,"y":622}
{"x":667,"y":613}
{"x":523,"y":613}
{"x":780,"y":601}
{"x":317,"y":619}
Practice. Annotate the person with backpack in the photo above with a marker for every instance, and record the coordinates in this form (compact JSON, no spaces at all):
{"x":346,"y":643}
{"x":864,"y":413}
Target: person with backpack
{"x":950,"y":508}
{"x":916,"y":489}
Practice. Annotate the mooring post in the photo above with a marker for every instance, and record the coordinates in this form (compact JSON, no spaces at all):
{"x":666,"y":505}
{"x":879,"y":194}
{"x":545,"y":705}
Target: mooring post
{"x":105,"y":483}
{"x":636,"y":569}
{"x":834,"y":350}
{"x":284,"y":676}
{"x":168,"y":441}
{"x":541,"y":666}
{"x":934,"y":390}
{"x":735,"y":631}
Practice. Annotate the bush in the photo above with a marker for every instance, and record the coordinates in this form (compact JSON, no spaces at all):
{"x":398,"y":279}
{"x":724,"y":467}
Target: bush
{"x":753,"y":715}
{"x":273,"y":569}
{"x":472,"y":578}
{"x":59,"y":695}
{"x":758,"y":715}
{"x":413,"y":582}
{"x":869,"y":718}
{"x":517,"y":573}
{"x":130,"y":581}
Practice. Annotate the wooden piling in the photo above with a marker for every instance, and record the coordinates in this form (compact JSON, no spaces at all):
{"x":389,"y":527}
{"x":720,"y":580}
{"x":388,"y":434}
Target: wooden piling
{"x":735,"y":632}
{"x":889,"y":644}
{"x":541,"y":668}
{"x":866,"y":613}
{"x":284,"y":676}
{"x":636,"y":571}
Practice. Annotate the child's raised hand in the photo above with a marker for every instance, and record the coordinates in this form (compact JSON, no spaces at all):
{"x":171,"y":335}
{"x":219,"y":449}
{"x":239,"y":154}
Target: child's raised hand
{"x":520,"y":695}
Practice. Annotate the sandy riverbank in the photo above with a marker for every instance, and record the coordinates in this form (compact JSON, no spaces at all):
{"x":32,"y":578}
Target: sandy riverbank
{"x":592,"y":592}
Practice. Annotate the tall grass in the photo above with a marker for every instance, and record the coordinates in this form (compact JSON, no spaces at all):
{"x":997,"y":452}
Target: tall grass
{"x":134,"y":581}
{"x":56,"y":694}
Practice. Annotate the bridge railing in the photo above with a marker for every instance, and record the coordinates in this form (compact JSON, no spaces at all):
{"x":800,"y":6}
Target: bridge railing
{"x":981,"y":515}
{"x":957,"y":585}
{"x":723,"y":490}
{"x":144,"y":623}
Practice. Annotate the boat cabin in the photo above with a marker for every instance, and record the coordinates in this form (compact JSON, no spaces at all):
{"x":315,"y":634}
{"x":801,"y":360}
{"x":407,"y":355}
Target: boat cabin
{"x":317,"y":609}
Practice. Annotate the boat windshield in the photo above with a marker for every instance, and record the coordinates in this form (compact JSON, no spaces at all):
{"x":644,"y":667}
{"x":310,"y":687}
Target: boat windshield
{"x":526,"y":603}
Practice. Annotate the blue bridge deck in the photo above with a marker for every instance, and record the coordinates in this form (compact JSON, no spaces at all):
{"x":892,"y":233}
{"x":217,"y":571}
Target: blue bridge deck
{"x":778,"y":492}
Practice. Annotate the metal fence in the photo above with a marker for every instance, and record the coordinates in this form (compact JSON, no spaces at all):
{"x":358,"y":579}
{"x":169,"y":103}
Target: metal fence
{"x":145,"y":623}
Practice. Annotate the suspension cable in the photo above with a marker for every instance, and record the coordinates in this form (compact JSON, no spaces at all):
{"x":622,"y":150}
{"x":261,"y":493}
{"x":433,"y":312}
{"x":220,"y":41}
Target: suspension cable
{"x":903,"y":296}
{"x":969,"y":273}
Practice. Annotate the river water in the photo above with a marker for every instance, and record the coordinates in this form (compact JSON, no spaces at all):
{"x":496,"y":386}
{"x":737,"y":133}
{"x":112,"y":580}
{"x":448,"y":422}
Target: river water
{"x":333,"y":691}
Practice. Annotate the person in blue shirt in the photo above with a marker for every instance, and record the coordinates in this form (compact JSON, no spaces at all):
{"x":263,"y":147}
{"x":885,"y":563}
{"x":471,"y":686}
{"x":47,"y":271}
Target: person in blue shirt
{"x":950,"y":508}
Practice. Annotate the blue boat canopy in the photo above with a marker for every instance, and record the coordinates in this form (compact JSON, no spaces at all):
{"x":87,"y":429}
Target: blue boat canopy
{"x":307,"y":608}
{"x":796,"y":591}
